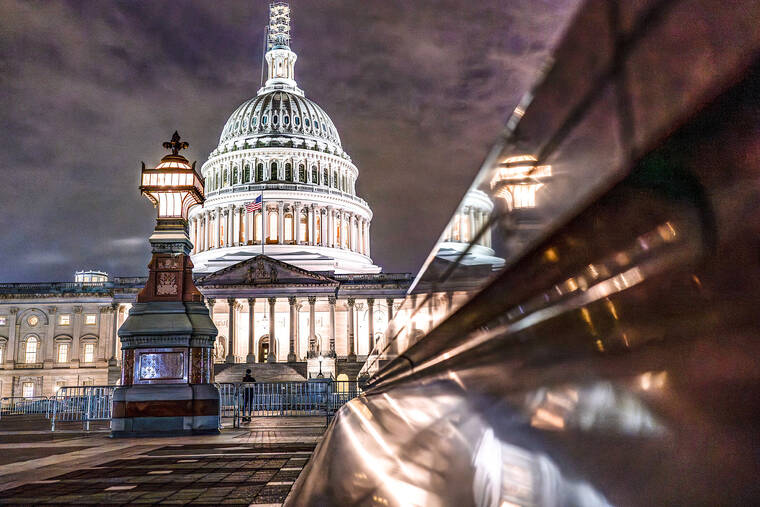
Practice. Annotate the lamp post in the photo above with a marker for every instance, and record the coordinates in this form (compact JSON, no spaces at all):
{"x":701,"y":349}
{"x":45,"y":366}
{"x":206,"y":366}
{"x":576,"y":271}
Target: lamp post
{"x":320,"y":368}
{"x":168,"y":337}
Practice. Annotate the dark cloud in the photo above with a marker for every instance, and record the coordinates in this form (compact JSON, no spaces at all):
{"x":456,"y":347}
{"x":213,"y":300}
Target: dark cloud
{"x":417,"y":89}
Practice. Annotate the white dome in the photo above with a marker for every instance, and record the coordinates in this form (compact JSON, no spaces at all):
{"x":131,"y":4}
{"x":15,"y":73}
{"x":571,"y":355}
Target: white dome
{"x":281,"y":114}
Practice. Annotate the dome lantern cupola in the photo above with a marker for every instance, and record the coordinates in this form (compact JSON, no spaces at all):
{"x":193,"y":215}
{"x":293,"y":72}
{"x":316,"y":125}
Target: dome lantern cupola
{"x":280,"y":59}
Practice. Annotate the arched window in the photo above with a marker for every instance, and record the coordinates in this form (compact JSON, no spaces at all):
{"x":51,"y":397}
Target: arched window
{"x":235,"y":176}
{"x":288,"y":172}
{"x":335,"y":179}
{"x":260,"y":172}
{"x":314,"y":175}
{"x":303,"y":231}
{"x":286,"y":120}
{"x":325,"y":179}
{"x":273,"y":171}
{"x":216,"y":180}
{"x":297,"y":121}
{"x":287,"y":232}
{"x":275,"y":120}
{"x":30,"y":350}
{"x":272,"y":227}
{"x":225,"y":179}
{"x":247,"y":173}
{"x":264,"y":120}
{"x":302,"y":173}
{"x":307,"y":122}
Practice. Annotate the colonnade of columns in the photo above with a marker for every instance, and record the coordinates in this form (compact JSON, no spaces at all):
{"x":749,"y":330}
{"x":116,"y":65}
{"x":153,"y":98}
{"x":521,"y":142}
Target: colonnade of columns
{"x":284,"y":223}
{"x":295,"y":303}
{"x":466,"y":224}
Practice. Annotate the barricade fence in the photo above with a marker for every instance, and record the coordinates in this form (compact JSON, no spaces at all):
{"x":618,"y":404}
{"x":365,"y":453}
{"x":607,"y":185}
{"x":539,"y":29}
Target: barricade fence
{"x":236,"y":401}
{"x":19,"y":405}
{"x":82,"y":403}
{"x":241,"y":401}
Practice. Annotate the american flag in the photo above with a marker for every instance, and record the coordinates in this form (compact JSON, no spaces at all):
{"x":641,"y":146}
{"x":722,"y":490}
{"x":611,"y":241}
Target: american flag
{"x":254,"y":205}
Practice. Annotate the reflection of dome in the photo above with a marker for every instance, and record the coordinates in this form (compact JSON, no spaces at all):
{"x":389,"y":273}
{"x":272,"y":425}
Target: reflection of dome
{"x":460,"y":235}
{"x":283,"y":114}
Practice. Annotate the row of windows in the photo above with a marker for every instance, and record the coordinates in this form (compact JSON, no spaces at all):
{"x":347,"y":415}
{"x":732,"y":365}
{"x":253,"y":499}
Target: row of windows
{"x":90,"y":319}
{"x":319,"y":127}
{"x":32,"y":348}
{"x":227,"y":177}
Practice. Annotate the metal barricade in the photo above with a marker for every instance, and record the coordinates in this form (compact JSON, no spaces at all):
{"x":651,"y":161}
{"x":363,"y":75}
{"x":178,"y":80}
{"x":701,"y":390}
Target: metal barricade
{"x":82,"y":403}
{"x":283,"y":399}
{"x":19,"y":405}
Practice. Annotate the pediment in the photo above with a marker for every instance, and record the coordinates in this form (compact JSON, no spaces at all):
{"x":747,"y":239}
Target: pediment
{"x":263,"y":270}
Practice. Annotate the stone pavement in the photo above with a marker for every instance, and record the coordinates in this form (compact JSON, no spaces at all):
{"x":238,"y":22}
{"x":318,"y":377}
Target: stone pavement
{"x":253,"y":465}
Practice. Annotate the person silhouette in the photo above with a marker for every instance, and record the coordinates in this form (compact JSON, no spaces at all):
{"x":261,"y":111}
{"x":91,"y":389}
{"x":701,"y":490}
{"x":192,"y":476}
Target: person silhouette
{"x":248,"y":395}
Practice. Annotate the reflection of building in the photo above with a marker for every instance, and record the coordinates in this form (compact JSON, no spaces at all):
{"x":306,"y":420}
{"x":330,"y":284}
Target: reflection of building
{"x":469,"y":224}
{"x":310,"y":289}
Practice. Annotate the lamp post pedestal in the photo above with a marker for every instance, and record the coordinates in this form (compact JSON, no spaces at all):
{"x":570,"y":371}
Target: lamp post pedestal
{"x":167,"y":340}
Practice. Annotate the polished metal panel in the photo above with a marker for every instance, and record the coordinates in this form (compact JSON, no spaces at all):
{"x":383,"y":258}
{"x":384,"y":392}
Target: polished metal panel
{"x":612,"y":360}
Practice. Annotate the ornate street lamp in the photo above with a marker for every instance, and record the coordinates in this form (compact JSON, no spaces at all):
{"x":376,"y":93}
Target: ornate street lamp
{"x":167,"y":340}
{"x":517,"y":179}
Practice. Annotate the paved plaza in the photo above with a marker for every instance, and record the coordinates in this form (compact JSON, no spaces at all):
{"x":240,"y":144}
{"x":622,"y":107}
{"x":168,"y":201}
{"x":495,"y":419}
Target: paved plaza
{"x":253,"y":465}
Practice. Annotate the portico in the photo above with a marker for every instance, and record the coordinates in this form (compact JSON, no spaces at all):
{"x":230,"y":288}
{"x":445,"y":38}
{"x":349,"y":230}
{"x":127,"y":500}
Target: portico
{"x":265,"y":306}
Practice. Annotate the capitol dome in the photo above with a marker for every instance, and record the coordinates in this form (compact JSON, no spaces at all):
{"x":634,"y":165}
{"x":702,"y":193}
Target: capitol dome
{"x":282,"y":114}
{"x":280,"y":183}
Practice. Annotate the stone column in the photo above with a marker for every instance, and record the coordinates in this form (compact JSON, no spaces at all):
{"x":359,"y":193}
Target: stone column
{"x":471,"y":217}
{"x":280,"y":221}
{"x":371,"y":322}
{"x":104,"y":328}
{"x":210,"y":303}
{"x":49,"y":345}
{"x":312,"y":222}
{"x":76,"y":332}
{"x":230,"y":225}
{"x":232,"y":330}
{"x":251,"y":357}
{"x":389,"y":302}
{"x":330,"y":226}
{"x":244,"y":220}
{"x":293,"y":324}
{"x":297,"y":223}
{"x":332,"y":300}
{"x":312,"y":323}
{"x":351,"y":352}
{"x":10,"y":353}
{"x":272,"y":340}
{"x":218,"y":242}
{"x":113,"y":360}
{"x":366,"y":237}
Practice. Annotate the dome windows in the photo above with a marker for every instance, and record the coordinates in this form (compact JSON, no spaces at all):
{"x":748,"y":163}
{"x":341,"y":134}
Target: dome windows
{"x":273,"y":171}
{"x":314,"y":175}
{"x":253,"y":121}
{"x":260,"y":172}
{"x":307,"y":122}
{"x":302,"y":173}
{"x":288,"y":172}
{"x":264,"y":120}
{"x":286,"y":120}
{"x":297,"y":121}
{"x":275,"y":120}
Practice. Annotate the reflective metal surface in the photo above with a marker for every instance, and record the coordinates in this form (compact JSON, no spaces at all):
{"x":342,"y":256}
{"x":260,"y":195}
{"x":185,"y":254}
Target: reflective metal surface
{"x":612,"y":357}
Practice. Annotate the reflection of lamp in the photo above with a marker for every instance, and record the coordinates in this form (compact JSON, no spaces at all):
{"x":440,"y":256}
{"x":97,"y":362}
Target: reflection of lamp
{"x":517,"y":180}
{"x":320,"y":368}
{"x":168,"y":338}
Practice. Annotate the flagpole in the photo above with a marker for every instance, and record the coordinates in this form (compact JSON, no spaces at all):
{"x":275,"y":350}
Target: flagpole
{"x":263,"y":239}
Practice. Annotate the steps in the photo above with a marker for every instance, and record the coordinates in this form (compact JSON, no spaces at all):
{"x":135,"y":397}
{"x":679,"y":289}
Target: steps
{"x":262,"y":372}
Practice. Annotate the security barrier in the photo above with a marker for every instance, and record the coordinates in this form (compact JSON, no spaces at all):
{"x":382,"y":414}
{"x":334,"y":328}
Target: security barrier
{"x":19,"y":405}
{"x":81,"y":403}
{"x":289,"y":399}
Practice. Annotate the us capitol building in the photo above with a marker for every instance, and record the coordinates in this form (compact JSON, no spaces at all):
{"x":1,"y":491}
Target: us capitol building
{"x":281,"y":254}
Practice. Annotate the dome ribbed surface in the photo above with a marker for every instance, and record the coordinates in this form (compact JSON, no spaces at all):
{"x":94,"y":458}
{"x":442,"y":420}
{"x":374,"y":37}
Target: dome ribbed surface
{"x":280,"y":113}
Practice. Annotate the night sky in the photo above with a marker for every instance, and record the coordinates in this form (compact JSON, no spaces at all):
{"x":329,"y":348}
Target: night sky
{"x":418,"y":91}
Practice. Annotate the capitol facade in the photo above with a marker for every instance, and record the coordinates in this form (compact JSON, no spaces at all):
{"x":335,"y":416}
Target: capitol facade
{"x":281,"y":250}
